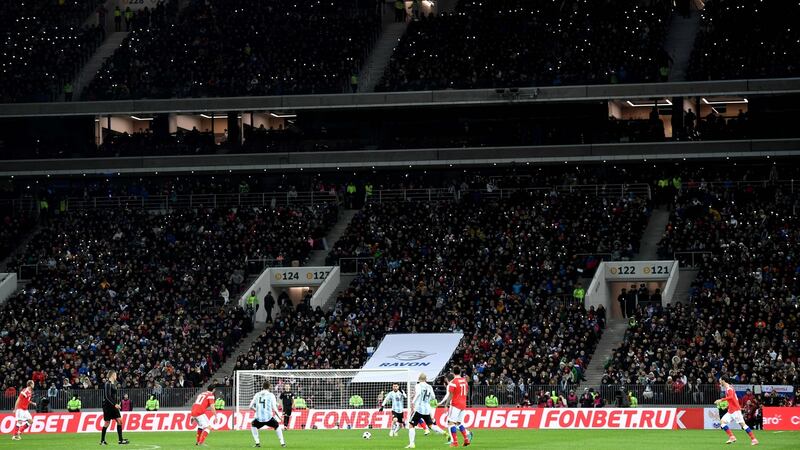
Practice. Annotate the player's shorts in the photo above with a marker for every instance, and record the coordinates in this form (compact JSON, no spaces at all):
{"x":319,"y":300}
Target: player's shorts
{"x":455,"y":415}
{"x":22,"y":415}
{"x":272,"y":423}
{"x":202,"y":421}
{"x":398,"y":416}
{"x":732,"y":417}
{"x":110,"y":412}
{"x":417,"y":418}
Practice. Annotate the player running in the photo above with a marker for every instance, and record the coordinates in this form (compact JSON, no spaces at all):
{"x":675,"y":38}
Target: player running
{"x":421,"y":410}
{"x":396,"y":396}
{"x":204,"y":402}
{"x":456,"y":398}
{"x":111,"y":408}
{"x":265,"y":405}
{"x":734,"y":413}
{"x":21,"y":413}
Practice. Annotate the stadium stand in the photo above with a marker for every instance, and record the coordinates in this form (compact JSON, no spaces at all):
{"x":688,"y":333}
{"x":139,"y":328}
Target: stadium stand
{"x":140,"y":292}
{"x":767,"y":49}
{"x":12,"y":228}
{"x":501,"y":271}
{"x":223,"y":48}
{"x":513,"y":43}
{"x":741,"y":320}
{"x":45,"y":43}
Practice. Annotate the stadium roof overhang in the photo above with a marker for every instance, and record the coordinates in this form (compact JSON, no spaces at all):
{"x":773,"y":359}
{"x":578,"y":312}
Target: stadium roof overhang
{"x":404,"y":99}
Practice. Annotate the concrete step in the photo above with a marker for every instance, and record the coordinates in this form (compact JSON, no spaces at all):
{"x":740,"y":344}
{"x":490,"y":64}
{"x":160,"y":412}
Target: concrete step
{"x":648,"y":246}
{"x":344,"y":283}
{"x":680,"y":42}
{"x":378,"y":60}
{"x":613,"y":336}
{"x":318,"y":257}
{"x":687,"y":277}
{"x":87,"y":73}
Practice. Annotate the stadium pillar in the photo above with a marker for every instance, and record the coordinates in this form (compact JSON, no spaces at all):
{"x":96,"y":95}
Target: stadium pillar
{"x":677,"y":119}
{"x":160,"y":127}
{"x":234,"y":130}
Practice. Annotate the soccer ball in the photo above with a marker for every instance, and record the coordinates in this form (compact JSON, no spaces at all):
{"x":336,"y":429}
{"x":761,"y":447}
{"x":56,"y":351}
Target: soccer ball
{"x":367,"y":435}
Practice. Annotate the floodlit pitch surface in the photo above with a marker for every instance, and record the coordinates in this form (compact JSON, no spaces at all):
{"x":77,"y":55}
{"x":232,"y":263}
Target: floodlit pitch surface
{"x":352,"y":440}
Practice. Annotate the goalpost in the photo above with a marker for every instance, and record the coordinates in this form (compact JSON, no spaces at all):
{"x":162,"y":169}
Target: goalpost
{"x":334,"y":389}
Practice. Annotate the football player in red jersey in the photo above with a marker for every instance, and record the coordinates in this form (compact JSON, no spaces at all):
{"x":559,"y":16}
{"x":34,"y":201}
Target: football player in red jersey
{"x":204,"y":401}
{"x":21,"y":413}
{"x":456,"y":398}
{"x":734,"y":414}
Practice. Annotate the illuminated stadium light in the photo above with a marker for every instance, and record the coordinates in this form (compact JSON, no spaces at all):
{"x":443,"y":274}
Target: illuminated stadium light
{"x":666,"y":102}
{"x":724,"y":102}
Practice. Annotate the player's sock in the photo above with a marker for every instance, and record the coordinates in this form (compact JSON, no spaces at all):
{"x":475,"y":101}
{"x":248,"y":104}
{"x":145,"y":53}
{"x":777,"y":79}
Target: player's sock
{"x":197,"y":435}
{"x":727,"y":431}
{"x":119,"y":432}
{"x":25,"y":426}
{"x":453,"y":434}
{"x":279,"y":432}
{"x":436,"y":429}
{"x":16,"y":429}
{"x":103,"y":434}
{"x":463,"y":431}
{"x":412,"y":433}
{"x":749,"y":432}
{"x":254,"y":431}
{"x":203,"y":436}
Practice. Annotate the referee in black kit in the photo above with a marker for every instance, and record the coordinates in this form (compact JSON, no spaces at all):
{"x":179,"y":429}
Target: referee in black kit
{"x":111,"y":408}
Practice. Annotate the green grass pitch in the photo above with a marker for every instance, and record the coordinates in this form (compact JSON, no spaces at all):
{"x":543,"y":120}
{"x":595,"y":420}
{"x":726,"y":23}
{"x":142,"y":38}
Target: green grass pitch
{"x":352,"y":440}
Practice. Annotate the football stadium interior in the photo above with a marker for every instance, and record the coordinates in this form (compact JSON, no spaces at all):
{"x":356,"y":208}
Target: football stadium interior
{"x":399,"y":223}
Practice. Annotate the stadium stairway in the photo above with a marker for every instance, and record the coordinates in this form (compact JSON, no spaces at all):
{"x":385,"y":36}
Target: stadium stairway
{"x":648,"y":245}
{"x":89,"y":70}
{"x":612,"y":337}
{"x":226,"y":370}
{"x":614,"y":333}
{"x":378,"y":59}
{"x":687,"y":277}
{"x":680,"y":41}
{"x":319,"y":257}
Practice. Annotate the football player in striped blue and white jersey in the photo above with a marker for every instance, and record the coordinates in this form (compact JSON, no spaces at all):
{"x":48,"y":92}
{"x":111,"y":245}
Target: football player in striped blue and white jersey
{"x":265,"y":405}
{"x":421,"y":410}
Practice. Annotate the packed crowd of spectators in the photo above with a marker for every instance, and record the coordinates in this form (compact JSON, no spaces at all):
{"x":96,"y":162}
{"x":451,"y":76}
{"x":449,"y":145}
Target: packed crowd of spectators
{"x":745,"y":39}
{"x":44,"y":43}
{"x":506,"y":43}
{"x":141,"y":293}
{"x":248,"y":47}
{"x":741,"y":321}
{"x":501,"y":272}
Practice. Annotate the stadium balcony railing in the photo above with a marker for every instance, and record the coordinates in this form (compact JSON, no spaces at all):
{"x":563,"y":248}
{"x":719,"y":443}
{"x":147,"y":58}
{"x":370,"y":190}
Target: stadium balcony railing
{"x":601,"y":190}
{"x":691,"y":260}
{"x":791,"y":185}
{"x":264,"y":199}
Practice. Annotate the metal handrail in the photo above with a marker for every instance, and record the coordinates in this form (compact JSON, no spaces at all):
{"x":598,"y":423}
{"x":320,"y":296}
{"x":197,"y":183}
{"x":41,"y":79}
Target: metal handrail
{"x":740,"y":183}
{"x":274,"y":199}
{"x":694,"y":260}
{"x":350,"y":265}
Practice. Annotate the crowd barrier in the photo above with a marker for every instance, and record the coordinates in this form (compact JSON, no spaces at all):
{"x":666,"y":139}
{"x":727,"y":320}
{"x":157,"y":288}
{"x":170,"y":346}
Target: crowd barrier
{"x":784,"y":419}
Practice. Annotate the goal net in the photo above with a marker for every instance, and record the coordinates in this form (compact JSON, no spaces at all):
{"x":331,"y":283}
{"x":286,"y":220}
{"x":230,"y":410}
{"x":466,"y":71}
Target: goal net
{"x":351,"y":397}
